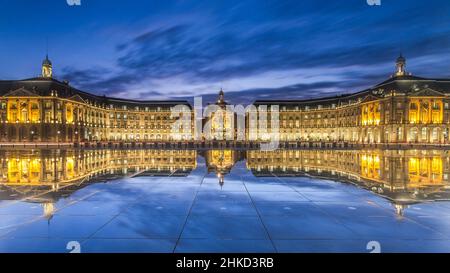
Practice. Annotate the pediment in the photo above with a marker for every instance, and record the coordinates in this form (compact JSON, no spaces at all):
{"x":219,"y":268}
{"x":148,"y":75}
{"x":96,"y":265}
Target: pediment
{"x":427,"y":92}
{"x":369,"y":98}
{"x":77,"y":98}
{"x":21,"y":92}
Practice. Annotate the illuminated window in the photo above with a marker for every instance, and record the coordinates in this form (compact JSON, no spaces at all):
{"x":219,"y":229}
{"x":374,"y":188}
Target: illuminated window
{"x":424,"y":133}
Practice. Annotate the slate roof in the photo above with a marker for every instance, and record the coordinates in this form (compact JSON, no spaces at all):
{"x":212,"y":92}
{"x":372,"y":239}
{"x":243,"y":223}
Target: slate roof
{"x":44,"y":86}
{"x":408,"y":84}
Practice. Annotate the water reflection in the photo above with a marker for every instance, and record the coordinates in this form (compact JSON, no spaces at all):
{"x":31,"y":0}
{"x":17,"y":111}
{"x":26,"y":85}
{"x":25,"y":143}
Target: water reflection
{"x":402,"y":176}
{"x":45,"y":176}
{"x":56,"y":167}
{"x":221,"y":162}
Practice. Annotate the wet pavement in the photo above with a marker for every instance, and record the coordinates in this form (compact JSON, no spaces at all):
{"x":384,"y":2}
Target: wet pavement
{"x":195,"y":213}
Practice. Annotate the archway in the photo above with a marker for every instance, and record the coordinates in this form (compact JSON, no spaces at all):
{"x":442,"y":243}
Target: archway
{"x":22,"y":133}
{"x":33,"y":133}
{"x":12,"y":133}
{"x":70,"y":134}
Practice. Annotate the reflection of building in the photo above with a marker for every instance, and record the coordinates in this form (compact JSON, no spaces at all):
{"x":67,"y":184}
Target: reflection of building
{"x":44,"y":176}
{"x":409,"y":175}
{"x":221,"y":162}
{"x":404,"y":108}
{"x":404,"y":176}
{"x":45,"y":109}
{"x":57,"y":167}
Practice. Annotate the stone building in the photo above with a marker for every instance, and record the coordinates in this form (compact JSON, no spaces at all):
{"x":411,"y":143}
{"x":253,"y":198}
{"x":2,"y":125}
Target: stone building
{"x":43,"y":109}
{"x":402,"y":109}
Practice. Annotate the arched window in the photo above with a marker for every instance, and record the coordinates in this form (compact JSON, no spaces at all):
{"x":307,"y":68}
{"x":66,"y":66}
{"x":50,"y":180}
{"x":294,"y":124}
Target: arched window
{"x":24,"y":114}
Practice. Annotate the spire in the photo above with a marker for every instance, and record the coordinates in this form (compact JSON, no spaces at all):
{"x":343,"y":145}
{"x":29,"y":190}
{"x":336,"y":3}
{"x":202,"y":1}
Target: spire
{"x":400,"y":66}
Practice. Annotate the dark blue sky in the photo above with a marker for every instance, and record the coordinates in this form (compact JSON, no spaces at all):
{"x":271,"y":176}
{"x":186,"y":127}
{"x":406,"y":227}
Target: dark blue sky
{"x":253,"y":49}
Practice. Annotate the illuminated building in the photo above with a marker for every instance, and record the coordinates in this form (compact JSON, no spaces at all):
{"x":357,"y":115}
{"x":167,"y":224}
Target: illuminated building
{"x":43,"y":109}
{"x":402,"y":109}
{"x":220,"y":123}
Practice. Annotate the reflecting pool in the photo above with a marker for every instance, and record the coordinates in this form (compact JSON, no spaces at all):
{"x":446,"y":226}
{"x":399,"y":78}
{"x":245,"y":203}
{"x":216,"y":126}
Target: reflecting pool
{"x":102,"y":200}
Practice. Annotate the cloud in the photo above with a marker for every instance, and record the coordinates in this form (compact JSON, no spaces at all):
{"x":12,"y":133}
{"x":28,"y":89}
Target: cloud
{"x":255,"y":50}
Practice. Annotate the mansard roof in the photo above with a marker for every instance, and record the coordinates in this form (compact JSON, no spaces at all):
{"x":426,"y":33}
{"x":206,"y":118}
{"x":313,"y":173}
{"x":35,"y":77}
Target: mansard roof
{"x":407,"y":84}
{"x":337,"y":100}
{"x":427,"y":92}
{"x":21,"y":92}
{"x":45,"y":86}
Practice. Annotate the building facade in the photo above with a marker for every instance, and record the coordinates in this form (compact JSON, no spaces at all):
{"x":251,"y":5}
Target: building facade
{"x":402,"y":109}
{"x":44,"y":109}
